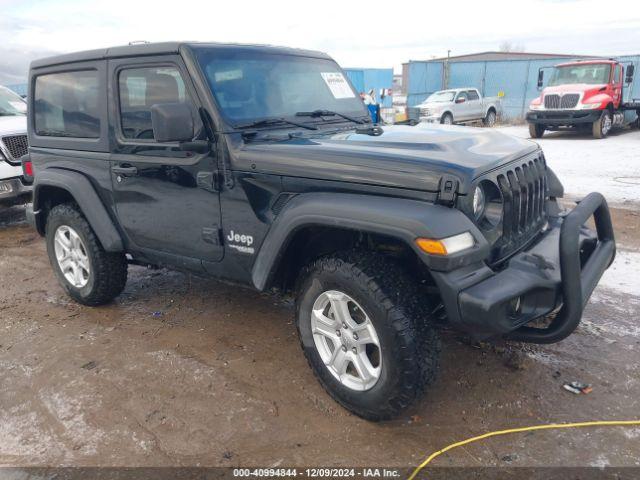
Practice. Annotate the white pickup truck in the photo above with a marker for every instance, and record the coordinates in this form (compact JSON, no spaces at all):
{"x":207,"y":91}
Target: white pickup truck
{"x":13,"y":145}
{"x":459,"y":105}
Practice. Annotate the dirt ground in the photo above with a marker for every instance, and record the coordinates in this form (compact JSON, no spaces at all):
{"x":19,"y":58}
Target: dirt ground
{"x":185,"y":371}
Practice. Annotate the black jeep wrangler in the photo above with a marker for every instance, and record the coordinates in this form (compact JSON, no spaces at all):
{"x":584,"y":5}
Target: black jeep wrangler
{"x":260,"y":165}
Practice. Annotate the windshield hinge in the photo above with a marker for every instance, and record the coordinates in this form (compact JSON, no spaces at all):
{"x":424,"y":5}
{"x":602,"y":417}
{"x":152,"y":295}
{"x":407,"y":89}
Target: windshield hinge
{"x":447,"y":190}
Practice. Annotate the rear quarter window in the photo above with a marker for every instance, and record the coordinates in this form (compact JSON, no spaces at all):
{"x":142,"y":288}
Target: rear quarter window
{"x":66,"y":104}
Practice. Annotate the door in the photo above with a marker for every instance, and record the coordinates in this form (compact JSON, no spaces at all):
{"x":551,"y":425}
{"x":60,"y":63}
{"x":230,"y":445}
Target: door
{"x":165,"y":198}
{"x":461,"y":107}
{"x":474,"y":105}
{"x":616,"y":85}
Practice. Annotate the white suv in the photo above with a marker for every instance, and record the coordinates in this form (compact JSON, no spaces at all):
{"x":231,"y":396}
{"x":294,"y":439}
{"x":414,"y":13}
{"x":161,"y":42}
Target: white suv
{"x":13,"y":145}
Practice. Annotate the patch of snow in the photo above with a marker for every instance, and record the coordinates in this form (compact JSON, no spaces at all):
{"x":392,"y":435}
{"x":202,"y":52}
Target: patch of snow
{"x":24,"y":435}
{"x":70,"y":413}
{"x":631,"y":433}
{"x":624,"y":274}
{"x":601,"y":461}
{"x":583,"y":164}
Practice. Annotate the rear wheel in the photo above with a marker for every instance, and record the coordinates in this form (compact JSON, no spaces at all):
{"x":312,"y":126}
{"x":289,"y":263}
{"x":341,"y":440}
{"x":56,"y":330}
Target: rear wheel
{"x":88,"y":273}
{"x":602,"y":127}
{"x":366,"y":333}
{"x":447,"y":119}
{"x":490,"y":119}
{"x":536,"y":130}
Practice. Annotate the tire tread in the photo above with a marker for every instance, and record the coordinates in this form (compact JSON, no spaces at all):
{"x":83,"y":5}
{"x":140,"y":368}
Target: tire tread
{"x":110,"y":268}
{"x":405,"y":310}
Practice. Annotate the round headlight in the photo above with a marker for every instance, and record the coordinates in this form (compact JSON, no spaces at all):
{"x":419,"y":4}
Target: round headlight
{"x":478,"y":202}
{"x":487,"y":205}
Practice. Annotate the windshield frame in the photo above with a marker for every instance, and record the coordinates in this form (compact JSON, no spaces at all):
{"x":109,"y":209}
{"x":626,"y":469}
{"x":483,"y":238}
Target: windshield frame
{"x":10,"y":96}
{"x":555,"y":73}
{"x":233,"y":124}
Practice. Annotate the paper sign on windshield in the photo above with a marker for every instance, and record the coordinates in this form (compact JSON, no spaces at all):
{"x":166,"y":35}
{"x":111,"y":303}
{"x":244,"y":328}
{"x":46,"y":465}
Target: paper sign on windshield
{"x":337,"y":84}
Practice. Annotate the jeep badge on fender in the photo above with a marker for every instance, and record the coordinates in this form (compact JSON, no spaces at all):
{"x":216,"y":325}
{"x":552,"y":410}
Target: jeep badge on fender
{"x":373,"y":229}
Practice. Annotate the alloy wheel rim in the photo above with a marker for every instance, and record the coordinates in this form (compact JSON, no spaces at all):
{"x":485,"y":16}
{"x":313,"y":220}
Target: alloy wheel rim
{"x":72,"y":257}
{"x":346,"y":340}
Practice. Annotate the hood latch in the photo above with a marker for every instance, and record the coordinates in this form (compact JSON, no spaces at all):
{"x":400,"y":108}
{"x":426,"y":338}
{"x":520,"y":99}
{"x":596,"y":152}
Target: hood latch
{"x":447,"y":190}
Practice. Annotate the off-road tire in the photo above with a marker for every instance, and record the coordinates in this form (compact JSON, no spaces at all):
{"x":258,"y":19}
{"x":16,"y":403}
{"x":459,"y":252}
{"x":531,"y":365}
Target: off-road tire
{"x":402,"y":317}
{"x":108,"y":272}
{"x":490,"y":118}
{"x":597,"y":130}
{"x":536,"y":130}
{"x":445,"y":117}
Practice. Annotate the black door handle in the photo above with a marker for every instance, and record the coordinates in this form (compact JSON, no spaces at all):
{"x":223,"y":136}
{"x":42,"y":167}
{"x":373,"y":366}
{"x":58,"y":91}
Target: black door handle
{"x":125,"y":170}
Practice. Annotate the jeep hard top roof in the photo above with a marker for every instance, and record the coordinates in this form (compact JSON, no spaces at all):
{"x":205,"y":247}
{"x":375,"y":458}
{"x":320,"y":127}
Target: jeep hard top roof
{"x":160,"y":48}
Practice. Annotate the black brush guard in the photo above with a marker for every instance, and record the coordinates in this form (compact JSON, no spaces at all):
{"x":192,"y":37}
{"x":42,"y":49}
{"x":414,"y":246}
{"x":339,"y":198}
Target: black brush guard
{"x":578,"y":281}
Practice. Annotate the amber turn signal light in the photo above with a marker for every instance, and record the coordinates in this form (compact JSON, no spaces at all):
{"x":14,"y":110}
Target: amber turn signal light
{"x":446,"y":246}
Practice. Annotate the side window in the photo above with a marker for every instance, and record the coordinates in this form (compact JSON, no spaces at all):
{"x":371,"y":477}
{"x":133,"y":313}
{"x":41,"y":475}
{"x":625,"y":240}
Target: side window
{"x":473,"y":95}
{"x":66,"y":104}
{"x":140,"y":89}
{"x":462,"y":95}
{"x":617,"y":76}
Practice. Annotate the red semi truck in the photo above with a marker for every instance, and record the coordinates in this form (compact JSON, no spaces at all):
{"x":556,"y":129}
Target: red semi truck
{"x":592,"y":95}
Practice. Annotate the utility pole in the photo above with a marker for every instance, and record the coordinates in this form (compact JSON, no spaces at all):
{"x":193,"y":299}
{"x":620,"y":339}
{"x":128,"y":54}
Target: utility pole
{"x":446,"y":71}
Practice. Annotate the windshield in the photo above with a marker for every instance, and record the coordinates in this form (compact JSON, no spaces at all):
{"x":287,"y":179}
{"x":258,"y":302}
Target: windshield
{"x":446,"y":96}
{"x":250,"y":85}
{"x":592,"y":74}
{"x":11,"y":103}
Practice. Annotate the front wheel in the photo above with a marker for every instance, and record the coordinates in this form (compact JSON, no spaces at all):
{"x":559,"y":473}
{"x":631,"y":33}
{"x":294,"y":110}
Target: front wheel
{"x":366,"y":335}
{"x":447,"y":119}
{"x":602,"y":127}
{"x":536,"y":130}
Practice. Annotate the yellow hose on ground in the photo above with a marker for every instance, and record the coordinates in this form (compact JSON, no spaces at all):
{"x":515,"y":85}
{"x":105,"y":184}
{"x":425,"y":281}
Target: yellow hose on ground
{"x":552,"y":426}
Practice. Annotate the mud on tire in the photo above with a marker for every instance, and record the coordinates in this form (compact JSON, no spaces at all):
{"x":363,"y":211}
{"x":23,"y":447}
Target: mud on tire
{"x":108,"y":270}
{"x":409,"y":345}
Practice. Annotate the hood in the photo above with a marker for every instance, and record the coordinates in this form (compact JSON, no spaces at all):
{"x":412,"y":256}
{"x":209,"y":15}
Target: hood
{"x":403,"y":156}
{"x":13,"y":124}
{"x":574,"y":88}
{"x":434,"y":106}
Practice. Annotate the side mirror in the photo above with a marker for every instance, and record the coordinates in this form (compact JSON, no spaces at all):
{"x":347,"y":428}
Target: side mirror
{"x":540,"y":78}
{"x":172,"y":122}
{"x":630,"y":70}
{"x":461,"y":100}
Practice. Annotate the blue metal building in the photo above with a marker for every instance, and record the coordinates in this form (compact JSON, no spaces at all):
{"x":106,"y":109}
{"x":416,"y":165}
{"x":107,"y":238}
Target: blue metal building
{"x":515,"y":77}
{"x":365,"y":79}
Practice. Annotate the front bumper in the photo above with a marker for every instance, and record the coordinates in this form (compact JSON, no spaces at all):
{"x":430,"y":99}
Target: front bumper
{"x":556,"y":275}
{"x":430,"y":118}
{"x":563,"y":117}
{"x":13,"y":188}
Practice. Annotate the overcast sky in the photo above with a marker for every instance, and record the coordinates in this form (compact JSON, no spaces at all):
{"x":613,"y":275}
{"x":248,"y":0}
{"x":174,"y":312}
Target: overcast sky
{"x":356,"y":34}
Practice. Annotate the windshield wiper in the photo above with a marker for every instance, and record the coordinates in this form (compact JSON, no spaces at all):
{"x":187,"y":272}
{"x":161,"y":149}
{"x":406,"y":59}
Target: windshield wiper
{"x":329,"y":113}
{"x":274,"y":121}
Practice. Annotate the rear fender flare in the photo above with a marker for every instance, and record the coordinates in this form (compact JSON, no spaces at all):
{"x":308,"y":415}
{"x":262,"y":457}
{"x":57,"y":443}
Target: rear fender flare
{"x":403,"y":219}
{"x":80,"y":188}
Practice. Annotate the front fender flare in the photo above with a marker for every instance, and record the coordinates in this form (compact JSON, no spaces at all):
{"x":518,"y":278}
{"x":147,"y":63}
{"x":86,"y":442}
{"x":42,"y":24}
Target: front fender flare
{"x":80,"y":188}
{"x":400,"y":218}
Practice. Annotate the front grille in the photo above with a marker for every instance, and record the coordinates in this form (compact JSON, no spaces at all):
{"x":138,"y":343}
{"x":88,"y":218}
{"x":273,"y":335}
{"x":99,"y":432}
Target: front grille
{"x":552,"y":101}
{"x":16,"y":145}
{"x":524,"y":192}
{"x":558,"y":102}
{"x":569,"y":100}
